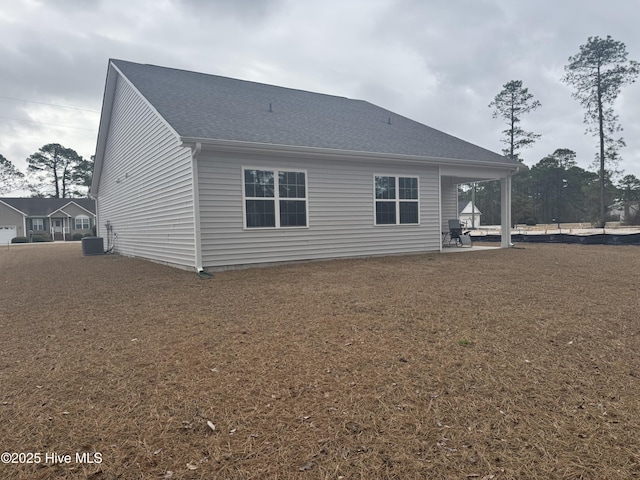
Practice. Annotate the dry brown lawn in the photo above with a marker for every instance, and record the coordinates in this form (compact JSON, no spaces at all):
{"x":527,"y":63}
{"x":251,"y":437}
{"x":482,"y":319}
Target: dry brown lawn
{"x":501,"y":364}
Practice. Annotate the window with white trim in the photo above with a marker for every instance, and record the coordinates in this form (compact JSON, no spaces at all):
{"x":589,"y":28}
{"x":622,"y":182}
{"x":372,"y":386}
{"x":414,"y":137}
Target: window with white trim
{"x":37,"y":224}
{"x":82,"y":223}
{"x":275,"y":198}
{"x":396,"y":200}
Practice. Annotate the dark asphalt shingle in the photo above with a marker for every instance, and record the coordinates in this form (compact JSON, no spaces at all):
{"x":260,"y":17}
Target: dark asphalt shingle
{"x":41,"y":207}
{"x":205,"y":106}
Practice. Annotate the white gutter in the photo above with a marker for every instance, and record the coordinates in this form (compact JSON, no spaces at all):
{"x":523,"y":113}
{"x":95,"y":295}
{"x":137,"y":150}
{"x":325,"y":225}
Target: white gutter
{"x":289,"y":150}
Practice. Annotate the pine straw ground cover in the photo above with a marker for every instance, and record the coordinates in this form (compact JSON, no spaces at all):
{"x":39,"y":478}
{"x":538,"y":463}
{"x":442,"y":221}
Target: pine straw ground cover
{"x":500,"y":364}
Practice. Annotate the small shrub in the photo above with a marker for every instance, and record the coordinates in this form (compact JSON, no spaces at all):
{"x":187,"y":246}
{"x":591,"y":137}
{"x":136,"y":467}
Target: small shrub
{"x":20,"y":240}
{"x":41,"y":237}
{"x":531,"y":222}
{"x":89,"y":235}
{"x":77,"y":236}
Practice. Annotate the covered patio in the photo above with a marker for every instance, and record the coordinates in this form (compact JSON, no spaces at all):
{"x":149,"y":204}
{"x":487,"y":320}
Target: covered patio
{"x":452,"y":176}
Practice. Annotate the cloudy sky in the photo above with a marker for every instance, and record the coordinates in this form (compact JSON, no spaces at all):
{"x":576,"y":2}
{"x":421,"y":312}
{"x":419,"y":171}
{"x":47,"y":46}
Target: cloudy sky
{"x":440,"y":63}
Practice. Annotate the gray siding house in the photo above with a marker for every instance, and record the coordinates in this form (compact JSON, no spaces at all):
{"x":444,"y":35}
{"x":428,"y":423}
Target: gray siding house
{"x":57,"y":218}
{"x":207,"y":172}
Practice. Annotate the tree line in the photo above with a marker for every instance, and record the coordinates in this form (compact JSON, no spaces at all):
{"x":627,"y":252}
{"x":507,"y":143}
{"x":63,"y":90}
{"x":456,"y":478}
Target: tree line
{"x":53,"y":171}
{"x":555,"y":189}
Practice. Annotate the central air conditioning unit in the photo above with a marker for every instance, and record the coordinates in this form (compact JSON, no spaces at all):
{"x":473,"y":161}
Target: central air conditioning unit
{"x":92,"y":246}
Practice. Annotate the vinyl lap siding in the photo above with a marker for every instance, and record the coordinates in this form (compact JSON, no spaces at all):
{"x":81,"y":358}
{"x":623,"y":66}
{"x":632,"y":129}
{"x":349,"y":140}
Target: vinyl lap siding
{"x":145,"y":189}
{"x":11,"y":218}
{"x":341,"y":213}
{"x":449,"y":202}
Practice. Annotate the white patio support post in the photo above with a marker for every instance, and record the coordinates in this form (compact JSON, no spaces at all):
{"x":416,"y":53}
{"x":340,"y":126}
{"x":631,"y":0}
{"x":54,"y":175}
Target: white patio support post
{"x":505,"y":211}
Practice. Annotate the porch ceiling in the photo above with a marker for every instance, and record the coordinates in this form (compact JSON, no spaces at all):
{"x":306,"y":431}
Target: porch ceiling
{"x":459,"y":180}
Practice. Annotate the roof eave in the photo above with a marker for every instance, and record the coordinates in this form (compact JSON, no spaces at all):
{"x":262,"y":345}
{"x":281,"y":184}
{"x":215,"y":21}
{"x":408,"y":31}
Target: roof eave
{"x":105,"y":120}
{"x":69,"y":203}
{"x":113,"y":73}
{"x":315,"y":152}
{"x":58,"y":210}
{"x":14,"y":208}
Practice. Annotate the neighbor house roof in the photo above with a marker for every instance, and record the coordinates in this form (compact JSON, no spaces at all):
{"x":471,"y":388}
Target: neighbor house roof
{"x":42,"y":207}
{"x":466,"y":210}
{"x":211,"y":107}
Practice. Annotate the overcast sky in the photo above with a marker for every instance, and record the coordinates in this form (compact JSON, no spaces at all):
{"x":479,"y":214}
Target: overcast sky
{"x":438,"y":62}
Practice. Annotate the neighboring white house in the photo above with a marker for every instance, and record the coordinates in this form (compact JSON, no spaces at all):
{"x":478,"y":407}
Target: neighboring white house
{"x":202,"y":171}
{"x":624,"y":212}
{"x":470,"y":216}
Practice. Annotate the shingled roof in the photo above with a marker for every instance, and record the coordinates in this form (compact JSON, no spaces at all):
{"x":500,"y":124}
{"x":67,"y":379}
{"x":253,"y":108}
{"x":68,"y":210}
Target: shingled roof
{"x":42,"y":207}
{"x":211,"y":107}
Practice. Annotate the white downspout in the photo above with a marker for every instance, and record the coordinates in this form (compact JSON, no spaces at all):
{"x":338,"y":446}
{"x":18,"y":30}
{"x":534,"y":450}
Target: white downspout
{"x":95,"y":216}
{"x":195,"y":151}
{"x":440,"y":207}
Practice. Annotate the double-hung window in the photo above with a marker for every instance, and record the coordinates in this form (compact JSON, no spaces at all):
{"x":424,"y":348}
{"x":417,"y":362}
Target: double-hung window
{"x":396,"y":200}
{"x":82,"y":222}
{"x":37,"y":224}
{"x":275,"y":198}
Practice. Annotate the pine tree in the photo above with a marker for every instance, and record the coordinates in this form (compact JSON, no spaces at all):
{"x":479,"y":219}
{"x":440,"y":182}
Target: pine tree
{"x":510,"y":104}
{"x":598,"y":72}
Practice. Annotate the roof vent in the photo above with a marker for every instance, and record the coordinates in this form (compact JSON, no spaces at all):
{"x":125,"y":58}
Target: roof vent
{"x":389,"y":121}
{"x":270,"y":109}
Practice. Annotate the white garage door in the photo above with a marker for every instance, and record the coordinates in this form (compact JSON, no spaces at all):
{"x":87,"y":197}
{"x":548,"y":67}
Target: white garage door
{"x":7,"y":232}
